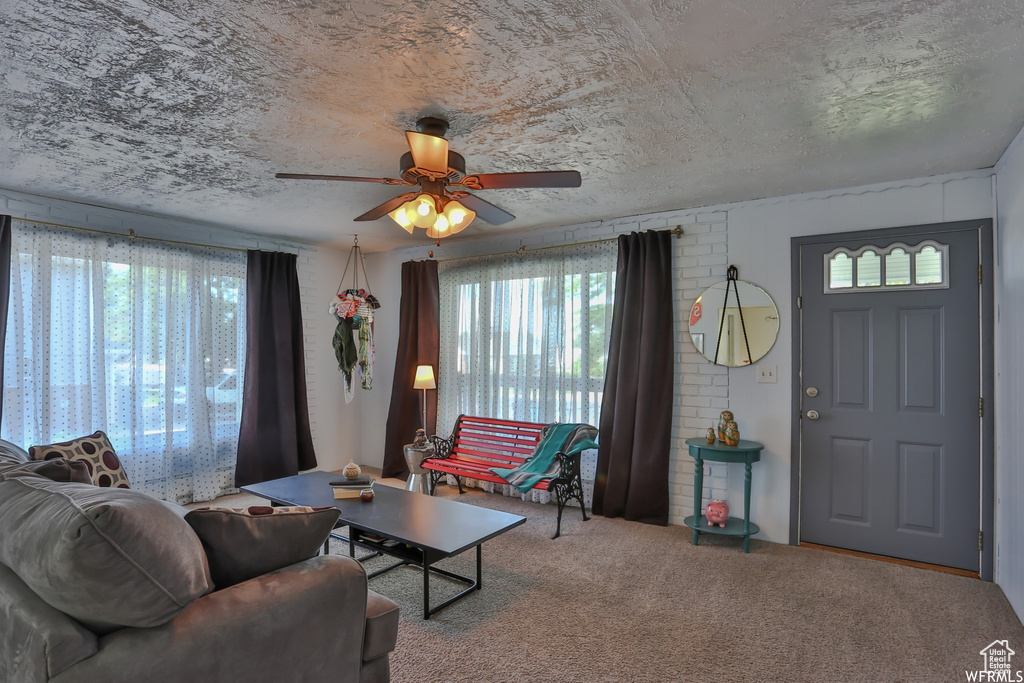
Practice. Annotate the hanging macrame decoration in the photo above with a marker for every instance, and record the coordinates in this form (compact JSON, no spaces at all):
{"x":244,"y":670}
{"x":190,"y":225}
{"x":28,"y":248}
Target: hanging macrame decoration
{"x":353,"y":337}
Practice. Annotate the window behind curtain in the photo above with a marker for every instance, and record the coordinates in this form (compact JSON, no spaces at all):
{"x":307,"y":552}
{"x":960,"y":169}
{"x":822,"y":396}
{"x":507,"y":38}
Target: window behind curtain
{"x":143,"y":340}
{"x":525,"y":337}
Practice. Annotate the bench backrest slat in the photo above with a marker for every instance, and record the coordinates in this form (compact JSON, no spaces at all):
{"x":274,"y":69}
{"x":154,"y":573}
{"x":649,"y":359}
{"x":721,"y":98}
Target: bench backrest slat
{"x":510,"y":441}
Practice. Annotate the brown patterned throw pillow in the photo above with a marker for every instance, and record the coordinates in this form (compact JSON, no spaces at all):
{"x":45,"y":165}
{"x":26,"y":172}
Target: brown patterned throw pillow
{"x":243,"y":543}
{"x":95,"y":451}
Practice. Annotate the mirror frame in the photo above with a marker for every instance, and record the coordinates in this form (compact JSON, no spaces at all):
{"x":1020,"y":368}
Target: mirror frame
{"x":703,"y":339}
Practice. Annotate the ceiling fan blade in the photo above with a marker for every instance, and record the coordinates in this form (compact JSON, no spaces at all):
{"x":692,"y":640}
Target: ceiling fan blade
{"x":385,"y":208}
{"x":428,"y":151}
{"x":349,"y":178}
{"x":485,"y":210}
{"x":494,"y":181}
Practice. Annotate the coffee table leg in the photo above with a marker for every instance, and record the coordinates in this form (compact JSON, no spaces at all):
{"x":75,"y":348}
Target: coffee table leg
{"x":426,"y":591}
{"x":479,"y":575}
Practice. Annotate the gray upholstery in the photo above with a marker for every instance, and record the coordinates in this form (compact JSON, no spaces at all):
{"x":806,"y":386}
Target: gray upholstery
{"x":38,"y":641}
{"x":311,"y":621}
{"x":58,"y":469}
{"x":381,"y":626}
{"x":301,"y":623}
{"x":10,"y":452}
{"x":107,"y":557}
{"x":229,"y":537}
{"x":376,"y":671}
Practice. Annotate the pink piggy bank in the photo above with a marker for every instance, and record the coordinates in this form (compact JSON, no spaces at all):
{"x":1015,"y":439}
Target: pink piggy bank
{"x":717,"y":512}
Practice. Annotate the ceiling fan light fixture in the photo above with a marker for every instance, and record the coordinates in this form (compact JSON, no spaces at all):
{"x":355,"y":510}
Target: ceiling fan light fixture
{"x":458,"y":216}
{"x":421,"y":211}
{"x":399,"y":216}
{"x":439,"y":229}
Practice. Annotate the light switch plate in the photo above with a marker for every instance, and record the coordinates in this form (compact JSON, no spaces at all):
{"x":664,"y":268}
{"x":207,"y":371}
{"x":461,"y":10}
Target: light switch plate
{"x":766,"y":374}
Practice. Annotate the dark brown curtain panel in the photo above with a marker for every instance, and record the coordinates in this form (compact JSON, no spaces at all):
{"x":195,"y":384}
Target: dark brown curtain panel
{"x":419,"y":342}
{"x":5,"y":289}
{"x":274,"y":440}
{"x":636,"y":411}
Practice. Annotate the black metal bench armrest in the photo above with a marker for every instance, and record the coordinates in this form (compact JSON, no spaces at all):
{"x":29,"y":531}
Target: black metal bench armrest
{"x":442,"y":447}
{"x":568,"y":468}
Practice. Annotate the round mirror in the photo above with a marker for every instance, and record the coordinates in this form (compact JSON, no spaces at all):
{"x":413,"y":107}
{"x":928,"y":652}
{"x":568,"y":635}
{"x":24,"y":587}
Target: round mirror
{"x":759,"y":320}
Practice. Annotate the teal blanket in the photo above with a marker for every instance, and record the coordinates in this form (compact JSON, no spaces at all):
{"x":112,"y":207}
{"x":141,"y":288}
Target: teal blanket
{"x":566,"y":437}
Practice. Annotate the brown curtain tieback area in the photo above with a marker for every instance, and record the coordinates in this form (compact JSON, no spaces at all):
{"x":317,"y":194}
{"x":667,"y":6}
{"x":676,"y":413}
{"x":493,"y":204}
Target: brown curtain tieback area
{"x":419,"y":342}
{"x":274,"y":439}
{"x":636,"y":411}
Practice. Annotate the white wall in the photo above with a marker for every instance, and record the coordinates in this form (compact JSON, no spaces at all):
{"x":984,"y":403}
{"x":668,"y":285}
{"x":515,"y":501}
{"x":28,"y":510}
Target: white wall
{"x":758,"y":243}
{"x":1009,"y":569}
{"x":319,"y":269}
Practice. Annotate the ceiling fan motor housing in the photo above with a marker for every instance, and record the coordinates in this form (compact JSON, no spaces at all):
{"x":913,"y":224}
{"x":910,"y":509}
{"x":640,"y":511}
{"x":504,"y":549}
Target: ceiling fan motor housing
{"x":431,"y":125}
{"x":456,"y":168}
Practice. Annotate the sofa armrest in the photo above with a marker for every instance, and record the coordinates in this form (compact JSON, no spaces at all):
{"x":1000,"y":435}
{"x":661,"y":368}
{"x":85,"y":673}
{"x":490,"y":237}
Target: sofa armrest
{"x":303,"y":622}
{"x":37,"y":641}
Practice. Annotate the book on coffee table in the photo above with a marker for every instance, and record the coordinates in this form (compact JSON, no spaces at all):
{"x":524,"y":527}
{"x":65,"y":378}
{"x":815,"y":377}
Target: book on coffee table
{"x":351,"y":488}
{"x":359,"y":482}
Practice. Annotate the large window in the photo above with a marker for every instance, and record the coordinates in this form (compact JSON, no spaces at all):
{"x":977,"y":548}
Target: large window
{"x":143,"y":340}
{"x":526,"y":336}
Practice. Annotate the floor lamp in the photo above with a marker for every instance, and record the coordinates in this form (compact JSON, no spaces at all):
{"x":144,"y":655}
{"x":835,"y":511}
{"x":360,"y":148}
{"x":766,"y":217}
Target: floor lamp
{"x":424,"y":380}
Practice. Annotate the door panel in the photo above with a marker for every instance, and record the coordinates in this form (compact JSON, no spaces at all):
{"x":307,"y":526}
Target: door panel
{"x":920,"y":487}
{"x":921,"y":336}
{"x":851,"y":467}
{"x":851,"y":346}
{"x":892,"y":465}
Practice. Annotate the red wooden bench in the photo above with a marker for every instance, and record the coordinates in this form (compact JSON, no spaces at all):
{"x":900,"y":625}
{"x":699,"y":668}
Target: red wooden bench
{"x":479,"y":443}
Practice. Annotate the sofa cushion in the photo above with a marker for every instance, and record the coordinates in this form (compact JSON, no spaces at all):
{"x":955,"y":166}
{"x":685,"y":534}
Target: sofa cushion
{"x":107,"y":557}
{"x":10,"y":452}
{"x":381,"y":626}
{"x":95,"y":451}
{"x":242,"y":543}
{"x":59,"y":469}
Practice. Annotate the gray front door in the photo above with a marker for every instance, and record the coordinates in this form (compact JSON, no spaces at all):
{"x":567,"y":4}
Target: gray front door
{"x":890,"y":455}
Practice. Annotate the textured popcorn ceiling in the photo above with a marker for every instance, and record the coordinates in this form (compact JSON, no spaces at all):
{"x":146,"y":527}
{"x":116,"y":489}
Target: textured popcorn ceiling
{"x":188,"y":108}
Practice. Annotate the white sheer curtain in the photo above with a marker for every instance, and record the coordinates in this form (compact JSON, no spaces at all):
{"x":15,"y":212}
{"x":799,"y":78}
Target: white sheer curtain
{"x":143,"y":340}
{"x":525,"y":337}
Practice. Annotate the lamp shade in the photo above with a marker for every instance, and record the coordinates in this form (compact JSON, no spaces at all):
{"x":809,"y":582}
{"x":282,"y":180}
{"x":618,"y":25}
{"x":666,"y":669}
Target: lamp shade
{"x":399,"y":216}
{"x":424,"y":377}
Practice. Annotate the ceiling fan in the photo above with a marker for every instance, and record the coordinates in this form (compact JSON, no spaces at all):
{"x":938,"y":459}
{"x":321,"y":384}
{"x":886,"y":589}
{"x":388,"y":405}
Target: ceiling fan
{"x":442,"y":205}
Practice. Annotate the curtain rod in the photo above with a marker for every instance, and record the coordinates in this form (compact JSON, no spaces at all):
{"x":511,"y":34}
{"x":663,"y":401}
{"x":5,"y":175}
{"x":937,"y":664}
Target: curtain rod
{"x":131,"y":235}
{"x":677,"y":231}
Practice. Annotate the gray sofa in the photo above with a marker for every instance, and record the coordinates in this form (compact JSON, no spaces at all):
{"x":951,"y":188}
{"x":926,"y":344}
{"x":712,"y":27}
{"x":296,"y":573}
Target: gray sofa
{"x":113,"y":585}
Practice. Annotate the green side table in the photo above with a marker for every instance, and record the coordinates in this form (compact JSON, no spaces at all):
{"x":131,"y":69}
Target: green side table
{"x":746,"y":452}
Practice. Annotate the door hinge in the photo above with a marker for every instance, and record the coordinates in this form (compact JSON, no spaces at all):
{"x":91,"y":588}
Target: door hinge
{"x":981,"y":407}
{"x":981,"y":540}
{"x":979,"y":273}
{"x":799,"y":302}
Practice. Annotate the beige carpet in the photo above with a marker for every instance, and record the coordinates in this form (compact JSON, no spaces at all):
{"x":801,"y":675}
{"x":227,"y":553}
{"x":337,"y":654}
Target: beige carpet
{"x":618,"y":601}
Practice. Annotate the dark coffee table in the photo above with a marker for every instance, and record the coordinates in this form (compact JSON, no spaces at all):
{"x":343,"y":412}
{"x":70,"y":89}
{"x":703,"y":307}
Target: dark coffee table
{"x":417,"y":529}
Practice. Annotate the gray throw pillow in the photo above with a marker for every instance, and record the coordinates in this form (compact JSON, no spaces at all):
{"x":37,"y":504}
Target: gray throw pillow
{"x":243,"y":543}
{"x":59,"y":469}
{"x":107,"y":557}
